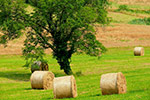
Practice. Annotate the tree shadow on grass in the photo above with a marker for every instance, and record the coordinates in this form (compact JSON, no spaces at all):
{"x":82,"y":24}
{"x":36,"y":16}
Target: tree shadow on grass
{"x":135,"y":91}
{"x":23,"y":76}
{"x":77,"y":74}
{"x":18,"y":76}
{"x":34,"y":89}
{"x":47,"y":98}
{"x":89,"y":96}
{"x":28,"y":89}
{"x":95,"y":95}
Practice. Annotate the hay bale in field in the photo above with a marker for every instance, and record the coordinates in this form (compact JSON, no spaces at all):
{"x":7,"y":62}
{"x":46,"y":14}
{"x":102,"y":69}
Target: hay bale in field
{"x":113,"y":83}
{"x":39,"y":66}
{"x":65,"y":87}
{"x":42,"y":80}
{"x":138,"y":51}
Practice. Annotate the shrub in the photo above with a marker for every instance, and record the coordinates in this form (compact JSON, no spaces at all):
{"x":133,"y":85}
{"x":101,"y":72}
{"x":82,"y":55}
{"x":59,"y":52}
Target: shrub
{"x":144,"y":21}
{"x":123,"y":8}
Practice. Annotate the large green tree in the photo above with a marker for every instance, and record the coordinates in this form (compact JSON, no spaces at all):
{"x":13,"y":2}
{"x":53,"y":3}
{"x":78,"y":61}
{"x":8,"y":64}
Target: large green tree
{"x":65,"y":26}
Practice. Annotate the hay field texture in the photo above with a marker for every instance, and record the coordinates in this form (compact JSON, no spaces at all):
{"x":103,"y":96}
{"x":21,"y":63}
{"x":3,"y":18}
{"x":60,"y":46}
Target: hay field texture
{"x":120,"y":38}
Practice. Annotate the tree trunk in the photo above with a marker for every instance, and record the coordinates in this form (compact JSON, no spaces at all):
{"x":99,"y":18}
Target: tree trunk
{"x":26,"y":1}
{"x":63,"y":56}
{"x":65,"y":65}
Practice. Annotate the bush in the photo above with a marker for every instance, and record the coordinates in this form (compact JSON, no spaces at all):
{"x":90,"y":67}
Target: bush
{"x":126,"y":8}
{"x":137,"y":21}
{"x":123,"y":8}
{"x":147,"y":20}
{"x":144,"y":21}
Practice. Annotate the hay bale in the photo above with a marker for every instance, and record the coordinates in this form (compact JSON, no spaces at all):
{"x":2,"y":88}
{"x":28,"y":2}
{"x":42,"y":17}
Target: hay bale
{"x":39,"y":66}
{"x":113,"y":83}
{"x":42,"y":80}
{"x":65,"y":87}
{"x":138,"y":51}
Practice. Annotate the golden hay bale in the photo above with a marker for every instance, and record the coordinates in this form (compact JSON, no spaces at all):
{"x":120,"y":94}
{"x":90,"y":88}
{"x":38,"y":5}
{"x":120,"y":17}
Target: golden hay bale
{"x":42,"y":80}
{"x":113,"y":83}
{"x":39,"y":66}
{"x":139,"y":51}
{"x":65,"y":87}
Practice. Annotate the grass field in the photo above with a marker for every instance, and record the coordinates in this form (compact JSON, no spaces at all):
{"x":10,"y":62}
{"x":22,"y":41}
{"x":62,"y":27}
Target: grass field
{"x":139,"y":11}
{"x":15,"y":84}
{"x":15,"y":79}
{"x":143,"y":6}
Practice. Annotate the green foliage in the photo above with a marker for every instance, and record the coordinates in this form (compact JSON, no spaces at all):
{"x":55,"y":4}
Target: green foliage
{"x":147,"y":20}
{"x":126,"y":8}
{"x":138,"y":21}
{"x":122,"y":8}
{"x":12,"y":15}
{"x":65,"y":26}
{"x":144,"y":21}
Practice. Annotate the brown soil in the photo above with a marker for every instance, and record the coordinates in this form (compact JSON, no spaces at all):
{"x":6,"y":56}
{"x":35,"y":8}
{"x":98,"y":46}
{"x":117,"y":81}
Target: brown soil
{"x":116,"y":35}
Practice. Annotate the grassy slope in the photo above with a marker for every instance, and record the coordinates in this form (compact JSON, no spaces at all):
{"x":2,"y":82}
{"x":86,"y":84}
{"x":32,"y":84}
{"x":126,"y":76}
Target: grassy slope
{"x":121,"y":18}
{"x":124,"y":16}
{"x":132,"y":6}
{"x":15,"y":84}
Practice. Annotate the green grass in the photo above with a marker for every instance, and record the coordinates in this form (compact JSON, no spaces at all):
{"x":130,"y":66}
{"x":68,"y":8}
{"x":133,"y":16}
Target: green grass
{"x":121,"y":18}
{"x":15,"y":84}
{"x":132,"y":6}
{"x":125,"y":8}
{"x":128,"y":14}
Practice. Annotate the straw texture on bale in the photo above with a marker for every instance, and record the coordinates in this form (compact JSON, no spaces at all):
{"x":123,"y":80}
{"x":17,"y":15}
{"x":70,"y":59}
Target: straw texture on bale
{"x":139,"y":51}
{"x":42,"y":80}
{"x":39,"y":66}
{"x":65,"y":87}
{"x":113,"y":83}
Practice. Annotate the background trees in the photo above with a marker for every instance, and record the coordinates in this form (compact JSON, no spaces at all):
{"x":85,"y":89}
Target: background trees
{"x":65,"y":26}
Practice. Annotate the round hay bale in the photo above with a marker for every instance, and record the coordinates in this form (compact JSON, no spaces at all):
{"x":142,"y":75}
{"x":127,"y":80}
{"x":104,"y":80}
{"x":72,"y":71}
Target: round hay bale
{"x":113,"y":83}
{"x":39,"y":66}
{"x":42,"y":80}
{"x":65,"y":87}
{"x":138,"y":51}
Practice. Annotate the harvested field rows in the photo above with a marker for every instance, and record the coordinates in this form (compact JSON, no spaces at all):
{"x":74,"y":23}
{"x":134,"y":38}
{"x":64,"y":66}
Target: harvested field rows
{"x":116,"y":35}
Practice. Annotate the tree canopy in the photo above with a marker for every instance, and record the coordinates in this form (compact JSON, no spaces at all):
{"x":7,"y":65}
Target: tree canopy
{"x":65,"y":26}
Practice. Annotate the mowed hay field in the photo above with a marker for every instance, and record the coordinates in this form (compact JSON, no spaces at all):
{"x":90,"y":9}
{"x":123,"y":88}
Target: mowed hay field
{"x":119,"y":37}
{"x":15,"y":83}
